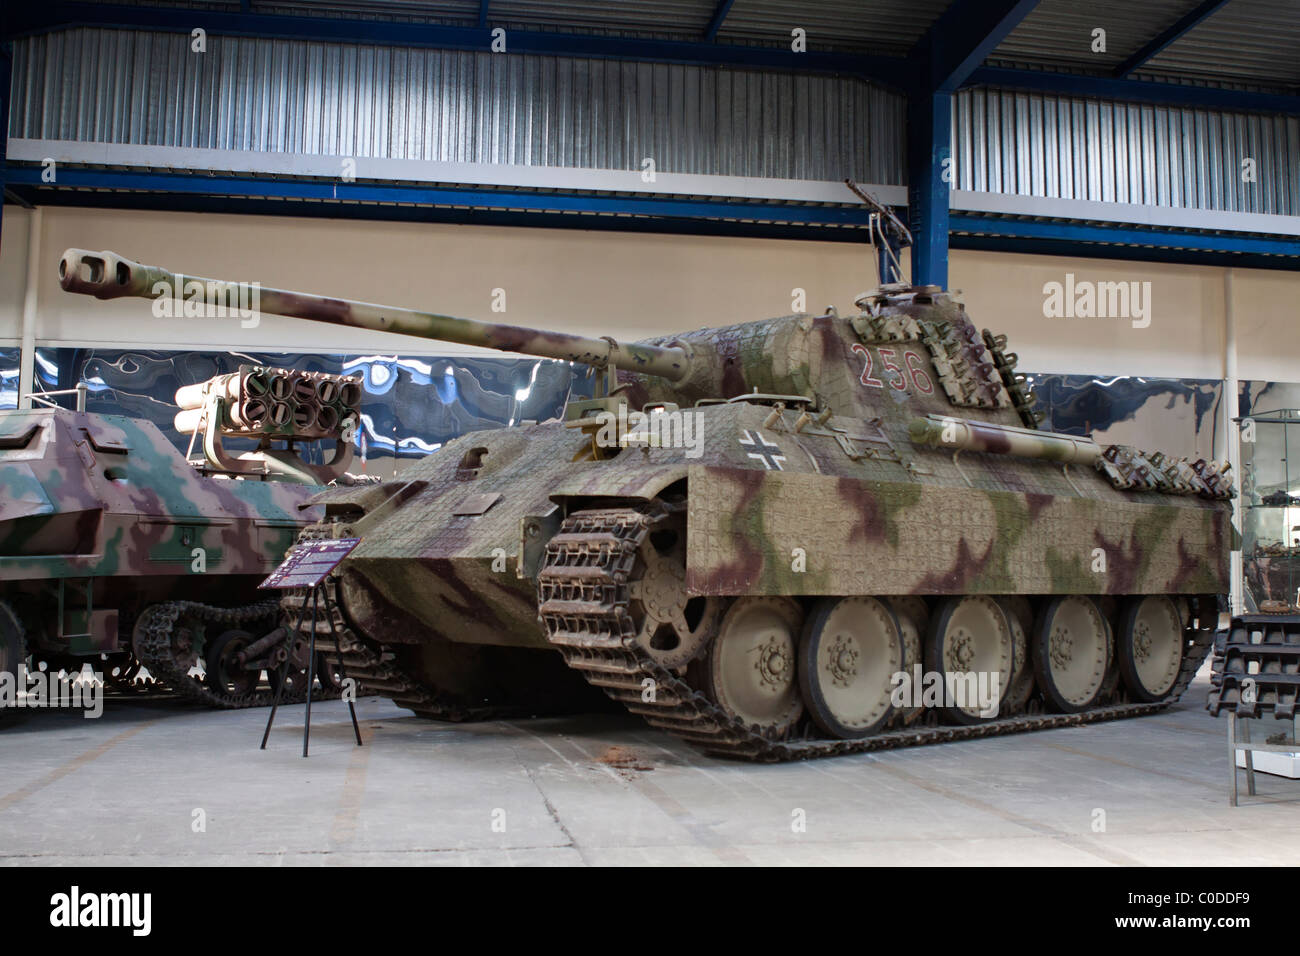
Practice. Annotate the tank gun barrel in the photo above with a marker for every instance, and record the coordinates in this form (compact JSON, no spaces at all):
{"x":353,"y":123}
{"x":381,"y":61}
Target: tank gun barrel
{"x":106,"y":275}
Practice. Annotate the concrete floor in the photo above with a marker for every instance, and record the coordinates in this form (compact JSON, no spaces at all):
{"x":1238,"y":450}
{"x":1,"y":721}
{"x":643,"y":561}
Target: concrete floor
{"x":125,"y":789}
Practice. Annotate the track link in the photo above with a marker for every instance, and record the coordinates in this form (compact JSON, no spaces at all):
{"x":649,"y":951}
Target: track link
{"x":1256,"y":670}
{"x":584,"y":608}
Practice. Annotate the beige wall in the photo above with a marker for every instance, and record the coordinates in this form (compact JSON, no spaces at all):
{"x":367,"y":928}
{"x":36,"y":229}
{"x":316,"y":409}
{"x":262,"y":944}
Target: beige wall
{"x":619,"y":284}
{"x":623,"y":284}
{"x":1184,"y":338}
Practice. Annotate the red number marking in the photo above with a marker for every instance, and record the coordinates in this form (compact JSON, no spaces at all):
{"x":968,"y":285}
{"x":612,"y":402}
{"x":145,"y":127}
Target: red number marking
{"x":899,"y":383}
{"x":866,"y":372}
{"x":918,"y":373}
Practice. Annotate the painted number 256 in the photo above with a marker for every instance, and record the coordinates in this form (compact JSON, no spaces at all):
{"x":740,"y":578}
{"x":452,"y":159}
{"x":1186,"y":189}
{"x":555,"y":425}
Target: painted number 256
{"x":915,"y":368}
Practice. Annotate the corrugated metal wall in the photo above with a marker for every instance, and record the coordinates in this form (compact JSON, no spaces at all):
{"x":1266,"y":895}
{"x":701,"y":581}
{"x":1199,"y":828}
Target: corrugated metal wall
{"x":335,"y":99}
{"x":1064,"y":148}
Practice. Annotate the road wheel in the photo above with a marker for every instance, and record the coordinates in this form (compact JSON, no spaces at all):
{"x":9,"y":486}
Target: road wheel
{"x":225,"y":674}
{"x":1070,"y":652}
{"x":970,"y":646}
{"x":850,"y":651}
{"x":752,"y":671}
{"x":1150,"y":646}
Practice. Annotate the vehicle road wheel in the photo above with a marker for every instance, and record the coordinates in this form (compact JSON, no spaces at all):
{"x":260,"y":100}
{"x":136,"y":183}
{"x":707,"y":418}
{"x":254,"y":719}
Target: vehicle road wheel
{"x":850,"y":651}
{"x":752,"y":672}
{"x":1150,"y":646}
{"x":1070,"y":653}
{"x":971,"y":640}
{"x":221,"y":664}
{"x":913,"y":620}
{"x":1020,"y":616}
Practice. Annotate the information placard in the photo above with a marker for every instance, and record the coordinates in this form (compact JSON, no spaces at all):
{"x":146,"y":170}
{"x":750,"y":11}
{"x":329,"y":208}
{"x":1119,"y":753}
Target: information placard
{"x":307,"y":564}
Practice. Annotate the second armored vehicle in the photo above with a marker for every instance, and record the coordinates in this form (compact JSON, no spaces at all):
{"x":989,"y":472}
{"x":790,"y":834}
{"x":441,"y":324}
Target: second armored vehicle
{"x":118,"y":551}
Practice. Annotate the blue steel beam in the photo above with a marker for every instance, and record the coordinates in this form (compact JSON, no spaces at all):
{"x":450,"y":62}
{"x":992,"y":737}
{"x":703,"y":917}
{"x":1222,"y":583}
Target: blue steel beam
{"x":1168,"y":36}
{"x":1089,"y":250}
{"x":357,"y":192}
{"x":715,"y":22}
{"x":956,"y":43}
{"x":483,"y":13}
{"x":63,"y":14}
{"x":1151,"y":241}
{"x":929,"y":177}
{"x":254,"y":206}
{"x":90,"y":187}
{"x":963,"y":37}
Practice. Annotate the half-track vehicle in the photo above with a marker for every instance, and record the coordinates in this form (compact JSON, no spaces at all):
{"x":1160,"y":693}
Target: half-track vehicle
{"x":118,"y":551}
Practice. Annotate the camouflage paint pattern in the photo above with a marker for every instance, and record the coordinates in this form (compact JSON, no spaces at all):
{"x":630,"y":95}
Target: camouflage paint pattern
{"x":107,"y":504}
{"x":832,"y":481}
{"x":89,"y":495}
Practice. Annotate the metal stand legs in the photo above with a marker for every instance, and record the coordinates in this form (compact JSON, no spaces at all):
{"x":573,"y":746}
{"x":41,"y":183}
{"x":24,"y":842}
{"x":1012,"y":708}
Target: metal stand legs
{"x":311,"y":675}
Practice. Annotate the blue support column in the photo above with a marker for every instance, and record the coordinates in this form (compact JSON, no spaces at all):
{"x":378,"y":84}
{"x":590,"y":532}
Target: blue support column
{"x":955,"y":45}
{"x":929,"y":149}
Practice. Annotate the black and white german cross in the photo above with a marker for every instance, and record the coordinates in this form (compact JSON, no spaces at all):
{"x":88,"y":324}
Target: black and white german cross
{"x":769,"y":453}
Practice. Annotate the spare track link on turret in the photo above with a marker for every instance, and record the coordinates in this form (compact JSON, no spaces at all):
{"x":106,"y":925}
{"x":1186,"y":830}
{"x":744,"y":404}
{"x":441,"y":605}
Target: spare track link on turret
{"x":155,"y":648}
{"x":587,"y":619}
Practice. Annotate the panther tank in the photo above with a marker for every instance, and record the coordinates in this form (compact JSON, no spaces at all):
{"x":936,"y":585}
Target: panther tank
{"x":118,"y":551}
{"x":779,"y":539}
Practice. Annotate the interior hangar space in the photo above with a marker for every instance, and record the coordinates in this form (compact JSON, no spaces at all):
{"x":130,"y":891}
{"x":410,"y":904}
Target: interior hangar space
{"x":658,"y":432}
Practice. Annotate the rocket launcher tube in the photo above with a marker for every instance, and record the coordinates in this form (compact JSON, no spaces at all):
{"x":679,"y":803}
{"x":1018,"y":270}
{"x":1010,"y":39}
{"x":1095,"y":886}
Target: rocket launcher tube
{"x":964,"y":434}
{"x":107,"y":275}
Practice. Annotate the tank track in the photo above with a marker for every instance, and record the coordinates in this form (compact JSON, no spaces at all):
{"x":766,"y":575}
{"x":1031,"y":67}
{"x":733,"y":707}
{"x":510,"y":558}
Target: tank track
{"x":584,"y":608}
{"x":154,"y":630}
{"x":371,"y":665}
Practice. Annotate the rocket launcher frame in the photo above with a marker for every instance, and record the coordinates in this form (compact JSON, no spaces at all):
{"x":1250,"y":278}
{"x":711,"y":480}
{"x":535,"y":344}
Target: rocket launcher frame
{"x":273,"y":404}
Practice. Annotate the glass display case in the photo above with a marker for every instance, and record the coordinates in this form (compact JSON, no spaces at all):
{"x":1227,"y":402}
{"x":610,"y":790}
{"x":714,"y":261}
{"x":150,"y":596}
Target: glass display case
{"x":1270,"y":496}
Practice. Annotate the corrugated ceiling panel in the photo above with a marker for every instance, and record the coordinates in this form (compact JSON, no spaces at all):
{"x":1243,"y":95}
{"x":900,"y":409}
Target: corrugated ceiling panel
{"x":886,"y":27}
{"x":1066,"y":148}
{"x":451,"y":106}
{"x":684,"y":18}
{"x":1247,"y":40}
{"x":1059,"y":32}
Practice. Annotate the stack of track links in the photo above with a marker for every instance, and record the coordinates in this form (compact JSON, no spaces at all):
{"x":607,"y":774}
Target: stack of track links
{"x":1256,"y":674}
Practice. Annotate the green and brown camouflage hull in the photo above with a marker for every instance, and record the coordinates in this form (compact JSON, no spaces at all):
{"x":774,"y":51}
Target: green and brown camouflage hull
{"x":101,"y":516}
{"x":821,"y":525}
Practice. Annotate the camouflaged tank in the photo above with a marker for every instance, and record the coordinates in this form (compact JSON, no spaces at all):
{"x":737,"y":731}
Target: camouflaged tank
{"x":778,"y":539}
{"x":118,"y":551}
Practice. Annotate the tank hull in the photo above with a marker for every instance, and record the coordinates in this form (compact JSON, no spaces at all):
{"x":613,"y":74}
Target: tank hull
{"x":812,"y":527}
